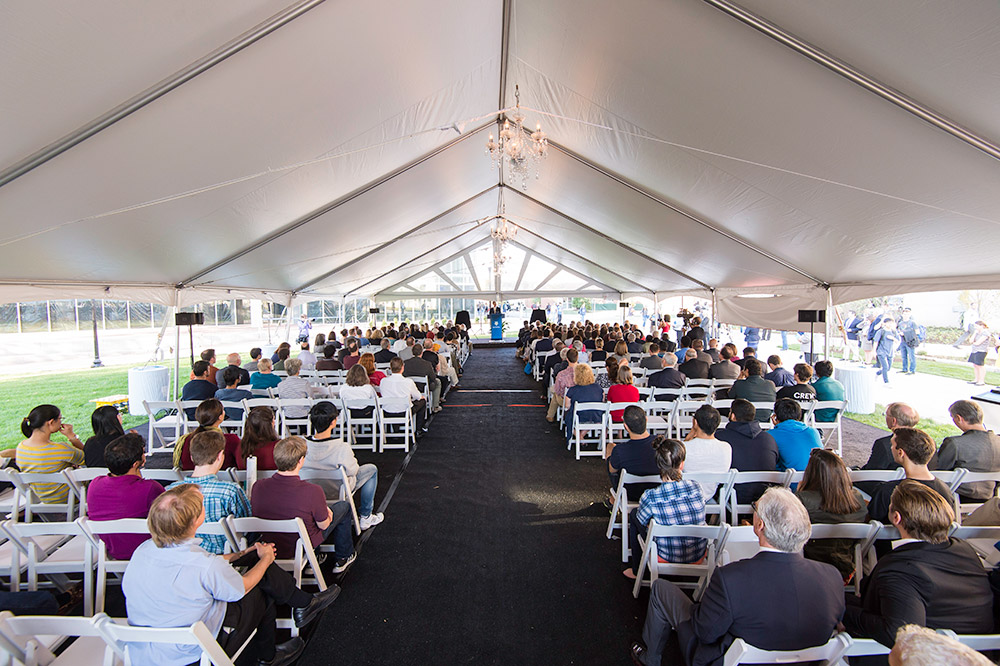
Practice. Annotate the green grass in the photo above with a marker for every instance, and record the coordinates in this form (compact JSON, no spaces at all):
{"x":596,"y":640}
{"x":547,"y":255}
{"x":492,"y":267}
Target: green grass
{"x":937,"y":431}
{"x":950,"y":370}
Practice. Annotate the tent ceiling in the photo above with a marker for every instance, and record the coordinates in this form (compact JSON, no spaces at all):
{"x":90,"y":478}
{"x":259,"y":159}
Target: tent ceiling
{"x":690,"y":151}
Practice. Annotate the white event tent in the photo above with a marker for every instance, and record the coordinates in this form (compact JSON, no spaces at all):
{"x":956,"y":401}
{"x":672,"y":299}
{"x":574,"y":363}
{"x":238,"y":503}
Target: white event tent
{"x":805,"y":153}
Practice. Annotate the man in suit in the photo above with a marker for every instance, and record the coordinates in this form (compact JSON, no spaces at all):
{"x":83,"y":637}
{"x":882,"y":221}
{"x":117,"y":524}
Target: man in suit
{"x":928,"y":579}
{"x":753,"y":387}
{"x":633,"y":346}
{"x":669,"y":377}
{"x":976,"y":449}
{"x":713,"y":350}
{"x":776,"y":600}
{"x":415,"y":366}
{"x":385,"y":355}
{"x":545,"y":343}
{"x":654,"y":361}
{"x":725,"y":368}
{"x":699,"y":346}
{"x":693,"y":367}
{"x":234,"y":361}
{"x":778,"y":375}
{"x":897,"y":415}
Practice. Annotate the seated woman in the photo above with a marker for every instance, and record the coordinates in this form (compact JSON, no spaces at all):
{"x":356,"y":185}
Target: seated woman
{"x":598,"y":354}
{"x":621,"y":353}
{"x":283,"y":355}
{"x":107,"y":424}
{"x":622,"y":390}
{"x":367,"y":361}
{"x":264,"y":378}
{"x":584,"y":390}
{"x":675,"y":502}
{"x":38,"y":454}
{"x":209,"y":415}
{"x":829,"y":497}
{"x":259,"y":438}
{"x":606,"y":379}
{"x":276,"y":355}
{"x":357,"y":388}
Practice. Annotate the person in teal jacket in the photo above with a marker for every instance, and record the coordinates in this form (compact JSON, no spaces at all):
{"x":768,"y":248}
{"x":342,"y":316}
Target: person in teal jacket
{"x":827,"y":388}
{"x":795,"y":439}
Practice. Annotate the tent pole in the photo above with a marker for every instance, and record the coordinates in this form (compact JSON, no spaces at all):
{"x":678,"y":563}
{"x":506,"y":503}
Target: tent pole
{"x":288,"y":317}
{"x":714,"y":323}
{"x":177,"y":356}
{"x":826,"y":336}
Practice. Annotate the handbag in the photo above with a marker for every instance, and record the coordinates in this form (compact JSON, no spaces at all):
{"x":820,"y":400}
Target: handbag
{"x":527,"y":368}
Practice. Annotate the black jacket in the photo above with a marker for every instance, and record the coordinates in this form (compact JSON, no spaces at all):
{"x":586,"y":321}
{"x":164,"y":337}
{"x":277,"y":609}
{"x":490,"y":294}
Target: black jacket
{"x":418,"y":367}
{"x":384,"y":356}
{"x":666,"y":378}
{"x":694,"y":369}
{"x":754,"y":450}
{"x":940,"y":586}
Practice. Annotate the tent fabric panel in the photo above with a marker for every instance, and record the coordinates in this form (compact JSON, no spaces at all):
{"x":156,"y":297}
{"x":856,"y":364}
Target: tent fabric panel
{"x":67,"y":63}
{"x":277,"y":102}
{"x":777,"y":310}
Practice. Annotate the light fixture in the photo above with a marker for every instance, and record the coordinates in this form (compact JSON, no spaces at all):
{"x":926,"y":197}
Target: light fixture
{"x":502,"y":229}
{"x":521,"y":152}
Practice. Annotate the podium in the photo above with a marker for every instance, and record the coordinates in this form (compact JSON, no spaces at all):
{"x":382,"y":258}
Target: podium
{"x":496,"y":327}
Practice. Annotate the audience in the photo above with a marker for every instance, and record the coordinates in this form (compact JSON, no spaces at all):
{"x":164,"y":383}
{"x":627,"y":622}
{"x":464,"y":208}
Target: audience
{"x":668,"y":378}
{"x":674,"y":502}
{"x":583,"y":389}
{"x":776,"y":600}
{"x":285,"y":496}
{"x":622,"y":390}
{"x":636,"y":455}
{"x":306,"y":357}
{"x":753,"y":448}
{"x":222,"y":498}
{"x":294,"y":387}
{"x":38,"y":454}
{"x":976,"y":449}
{"x":200,"y":387}
{"x":794,"y":438}
{"x":801,"y":390}
{"x":654,"y":361}
{"x":259,"y":438}
{"x":778,"y":375}
{"x":264,"y":378}
{"x":416,"y":366}
{"x":209,"y":415}
{"x":400,"y":395}
{"x":693,"y":367}
{"x":564,"y":380}
{"x":897,"y":415}
{"x":724,"y":368}
{"x":107,"y":424}
{"x":827,"y":389}
{"x":827,"y":494}
{"x":231,"y":377}
{"x":367,"y":361}
{"x":705,"y":453}
{"x":172,"y":582}
{"x":753,"y":387}
{"x":251,"y":365}
{"x":328,"y":362}
{"x":912,"y":449}
{"x":284,"y":353}
{"x":234,"y":361}
{"x":123,"y":493}
{"x":208,"y":356}
{"x":928,"y":579}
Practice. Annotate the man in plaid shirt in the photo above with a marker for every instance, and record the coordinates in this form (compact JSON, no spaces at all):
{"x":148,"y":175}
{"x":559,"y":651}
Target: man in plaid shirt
{"x":674,"y":502}
{"x":221,"y":497}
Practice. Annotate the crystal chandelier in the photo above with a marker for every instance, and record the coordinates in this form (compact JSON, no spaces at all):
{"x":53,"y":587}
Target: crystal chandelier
{"x":502,"y":229}
{"x":522,"y":153}
{"x":499,"y":259}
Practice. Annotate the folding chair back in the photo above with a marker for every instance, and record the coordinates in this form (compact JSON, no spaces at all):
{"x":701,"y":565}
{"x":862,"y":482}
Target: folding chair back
{"x":682,"y":418}
{"x":231,"y":408}
{"x":982,"y":538}
{"x":622,"y":506}
{"x":32,"y":639}
{"x":973,"y":477}
{"x":764,"y":407}
{"x":79,"y":479}
{"x":342,"y":481}
{"x":721,"y":484}
{"x":54,"y":550}
{"x":121,"y":635}
{"x":616,"y":431}
{"x":828,"y":426}
{"x":93,"y":531}
{"x":26,"y":500}
{"x":782,"y":479}
{"x":702,"y":571}
{"x":170,"y":423}
{"x":362,"y":426}
{"x":859,"y":533}
{"x":829,"y":654}
{"x":284,"y":404}
{"x":598,"y":429}
{"x":399,"y":427}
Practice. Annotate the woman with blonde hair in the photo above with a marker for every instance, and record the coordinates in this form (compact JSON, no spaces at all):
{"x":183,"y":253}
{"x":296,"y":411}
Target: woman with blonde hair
{"x":584,"y":390}
{"x":981,"y":341}
{"x":264,"y":378}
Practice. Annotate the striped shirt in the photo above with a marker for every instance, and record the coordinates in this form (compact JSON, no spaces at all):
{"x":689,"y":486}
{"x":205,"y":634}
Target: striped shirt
{"x":675,"y":503}
{"x":222,"y":499}
{"x":48,"y":458}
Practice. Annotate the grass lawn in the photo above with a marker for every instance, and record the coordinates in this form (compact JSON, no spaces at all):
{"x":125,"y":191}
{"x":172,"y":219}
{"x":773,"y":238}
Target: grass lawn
{"x":937,"y":431}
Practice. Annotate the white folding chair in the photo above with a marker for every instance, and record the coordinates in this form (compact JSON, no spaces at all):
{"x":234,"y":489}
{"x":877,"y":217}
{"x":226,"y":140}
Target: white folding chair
{"x":982,"y":538}
{"x":342,"y":481}
{"x":972,"y":477}
{"x":719,"y":406}
{"x":27,"y":501}
{"x":70,"y":552}
{"x":782,"y":479}
{"x":234,"y":424}
{"x":284,"y":404}
{"x":32,"y":640}
{"x":260,"y":393}
{"x":828,"y":426}
{"x":859,"y":533}
{"x":616,"y":431}
{"x":764,"y":406}
{"x":978,"y":642}
{"x":721,"y":484}
{"x":656,"y":421}
{"x":538,"y":368}
{"x":423,"y":387}
{"x":122,"y":635}
{"x":166,"y":475}
{"x":399,"y":427}
{"x":79,"y":479}
{"x":170,"y":422}
{"x":358,"y":426}
{"x":597,"y":430}
{"x":829,"y":654}
{"x":304,"y":553}
{"x":697,"y":389}
{"x":682,"y":416}
{"x":702,"y":571}
{"x":622,"y":506}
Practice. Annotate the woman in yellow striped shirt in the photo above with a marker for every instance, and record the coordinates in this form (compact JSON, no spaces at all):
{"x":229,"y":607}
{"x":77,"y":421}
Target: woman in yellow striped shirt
{"x":39,"y":454}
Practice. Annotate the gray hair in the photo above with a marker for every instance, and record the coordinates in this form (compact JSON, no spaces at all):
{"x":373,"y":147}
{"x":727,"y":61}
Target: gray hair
{"x":786,"y":521}
{"x":970,"y":412}
{"x":920,"y":646}
{"x":578,"y":345}
{"x":292,"y":366}
{"x":669,"y":360}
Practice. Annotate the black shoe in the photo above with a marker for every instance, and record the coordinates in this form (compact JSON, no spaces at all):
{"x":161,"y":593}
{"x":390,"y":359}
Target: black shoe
{"x":608,"y":505}
{"x":638,"y":653}
{"x":285,"y":653}
{"x":319,"y":602}
{"x":341,"y":563}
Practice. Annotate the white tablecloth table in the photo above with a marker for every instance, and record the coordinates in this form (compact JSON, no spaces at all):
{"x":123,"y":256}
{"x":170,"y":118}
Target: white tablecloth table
{"x":858,"y":382}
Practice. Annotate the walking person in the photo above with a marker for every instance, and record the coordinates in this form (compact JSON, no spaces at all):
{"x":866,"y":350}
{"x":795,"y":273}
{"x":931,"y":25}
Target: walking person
{"x":885,"y":343}
{"x":910,"y":338}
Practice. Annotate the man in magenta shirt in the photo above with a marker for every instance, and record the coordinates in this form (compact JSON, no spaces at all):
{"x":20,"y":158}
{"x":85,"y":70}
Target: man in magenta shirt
{"x":123,"y":493}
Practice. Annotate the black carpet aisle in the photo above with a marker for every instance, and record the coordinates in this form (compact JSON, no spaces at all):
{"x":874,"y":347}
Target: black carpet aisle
{"x":493,"y":548}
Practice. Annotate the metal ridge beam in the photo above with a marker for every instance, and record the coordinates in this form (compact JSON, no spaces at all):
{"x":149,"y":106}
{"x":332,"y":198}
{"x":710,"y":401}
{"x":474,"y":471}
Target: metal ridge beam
{"x":398,"y":238}
{"x":856,"y":76}
{"x":332,"y":205}
{"x":610,"y":239}
{"x":680,"y":211}
{"x":156,"y":91}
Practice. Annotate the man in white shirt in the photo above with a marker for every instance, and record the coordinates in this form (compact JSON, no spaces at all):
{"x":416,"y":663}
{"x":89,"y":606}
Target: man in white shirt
{"x":705,"y":453}
{"x":307,"y":357}
{"x":400,"y":394}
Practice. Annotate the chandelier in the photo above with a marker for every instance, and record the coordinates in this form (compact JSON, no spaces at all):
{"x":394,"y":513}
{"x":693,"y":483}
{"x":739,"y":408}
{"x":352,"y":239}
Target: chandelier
{"x":499,"y":259}
{"x":521,"y":152}
{"x":502,"y":229}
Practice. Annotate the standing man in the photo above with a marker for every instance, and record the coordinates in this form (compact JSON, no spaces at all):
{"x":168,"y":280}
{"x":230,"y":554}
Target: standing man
{"x":911,"y":336}
{"x":304,"y":327}
{"x":885,"y":342}
{"x":852,"y":345}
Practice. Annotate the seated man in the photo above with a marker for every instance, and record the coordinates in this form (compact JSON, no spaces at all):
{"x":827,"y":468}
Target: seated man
{"x":776,"y":600}
{"x":172,"y":582}
{"x":251,"y":365}
{"x":222,"y":498}
{"x":677,"y":501}
{"x":713,"y":350}
{"x":400,"y":394}
{"x":754,"y":449}
{"x":753,"y":387}
{"x":669,"y":377}
{"x":725,"y":368}
{"x":911,"y":448}
{"x":976,"y":449}
{"x":827,"y":389}
{"x":306,"y":357}
{"x":415,"y":366}
{"x":328,"y":362}
{"x":777,"y":374}
{"x":635,"y":456}
{"x":699,"y":346}
{"x":563,"y":381}
{"x":231,"y":376}
{"x":285,"y":496}
{"x":693,"y":367}
{"x":326,"y":453}
{"x":801,"y":390}
{"x":384,"y":355}
{"x":234,"y":362}
{"x":123,"y":493}
{"x":208,"y":356}
{"x":199,"y":388}
{"x":897,"y":415}
{"x":928,"y":579}
{"x":432,"y":357}
{"x":794,"y":438}
{"x":705,"y":453}
{"x":654,"y":361}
